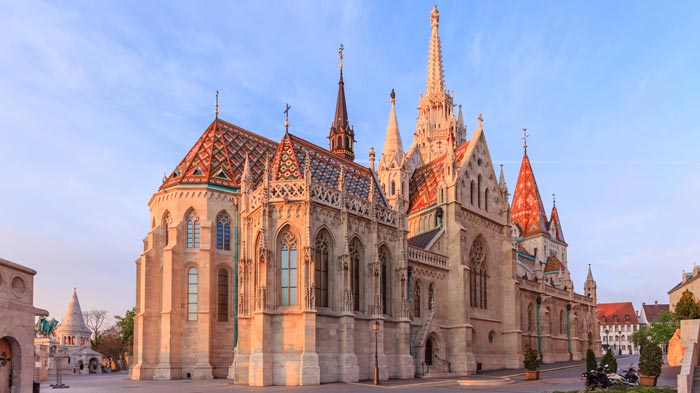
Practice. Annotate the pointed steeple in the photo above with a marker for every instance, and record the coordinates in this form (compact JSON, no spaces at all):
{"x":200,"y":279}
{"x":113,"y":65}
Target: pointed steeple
{"x":528,"y":210}
{"x":73,"y":322}
{"x":589,"y":277}
{"x":393,"y":147}
{"x":554,"y":221}
{"x":502,"y":183}
{"x":590,"y":287}
{"x":342,"y":136}
{"x":436,"y":74}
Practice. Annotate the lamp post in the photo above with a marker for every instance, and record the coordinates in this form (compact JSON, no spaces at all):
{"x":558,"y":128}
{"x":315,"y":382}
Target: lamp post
{"x":607,"y":340}
{"x":375,"y":327}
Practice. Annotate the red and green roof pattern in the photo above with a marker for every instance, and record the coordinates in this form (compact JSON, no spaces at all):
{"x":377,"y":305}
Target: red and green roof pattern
{"x":424,"y":181}
{"x":218,"y":157}
{"x":527,"y":210}
{"x":554,"y":220}
{"x":289,"y":163}
{"x":553,"y":265}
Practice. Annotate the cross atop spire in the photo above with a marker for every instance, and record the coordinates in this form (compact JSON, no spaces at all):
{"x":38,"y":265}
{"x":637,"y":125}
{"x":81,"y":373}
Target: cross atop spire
{"x":341,"y":135}
{"x":524,"y":138}
{"x":554,"y":200}
{"x":286,"y":117}
{"x":340,"y":53}
{"x":216,"y":105}
{"x":436,"y":74}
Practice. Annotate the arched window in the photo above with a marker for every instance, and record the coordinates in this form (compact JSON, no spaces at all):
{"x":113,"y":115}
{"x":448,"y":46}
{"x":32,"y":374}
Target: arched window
{"x":471,"y":192}
{"x":192,"y":229}
{"x":486,"y":199}
{"x":166,"y":223}
{"x":431,"y":296}
{"x":393,"y":188}
{"x":478,"y":275}
{"x":416,"y":301}
{"x":385,"y":262}
{"x":478,"y":191}
{"x":223,"y":232}
{"x":192,"y":294}
{"x":355,"y":263}
{"x":223,"y":295}
{"x":530,"y":318}
{"x":322,"y":245}
{"x":288,"y":259}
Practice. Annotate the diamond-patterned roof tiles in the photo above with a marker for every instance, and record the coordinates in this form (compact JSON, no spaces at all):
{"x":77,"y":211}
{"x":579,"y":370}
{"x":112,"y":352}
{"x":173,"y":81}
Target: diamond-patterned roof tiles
{"x":424,"y":181}
{"x":289,"y":163}
{"x":218,"y":157}
{"x":553,"y":265}
{"x":528,"y":211}
{"x":554,"y":220}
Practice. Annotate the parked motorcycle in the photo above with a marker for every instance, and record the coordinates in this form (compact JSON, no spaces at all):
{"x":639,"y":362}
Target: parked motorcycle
{"x":627,"y":377}
{"x":596,"y":378}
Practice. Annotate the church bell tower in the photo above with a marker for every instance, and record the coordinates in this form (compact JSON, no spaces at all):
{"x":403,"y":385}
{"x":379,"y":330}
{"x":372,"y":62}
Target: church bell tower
{"x":342,"y":135}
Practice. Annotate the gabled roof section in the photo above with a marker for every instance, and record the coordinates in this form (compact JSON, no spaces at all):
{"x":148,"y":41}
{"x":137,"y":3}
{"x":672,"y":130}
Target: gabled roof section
{"x":554,"y":221}
{"x":553,"y":265}
{"x":284,"y":164}
{"x":424,"y":182}
{"x":325,"y":168}
{"x":652,"y":311}
{"x":218,"y":157}
{"x":528,"y":210}
{"x":424,"y":239}
{"x":616,"y":314}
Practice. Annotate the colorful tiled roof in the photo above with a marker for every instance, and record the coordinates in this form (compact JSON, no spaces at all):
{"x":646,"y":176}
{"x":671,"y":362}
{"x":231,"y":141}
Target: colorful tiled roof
{"x":289,"y":163}
{"x":424,"y":181}
{"x":616,"y":314}
{"x":528,"y":211}
{"x":553,"y":265}
{"x":554,"y":220}
{"x":218,"y":157}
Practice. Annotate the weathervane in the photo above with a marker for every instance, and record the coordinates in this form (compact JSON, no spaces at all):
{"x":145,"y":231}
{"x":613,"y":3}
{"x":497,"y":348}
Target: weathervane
{"x":286,"y":117}
{"x":216,"y":105}
{"x":524,"y":138}
{"x":340,"y":52}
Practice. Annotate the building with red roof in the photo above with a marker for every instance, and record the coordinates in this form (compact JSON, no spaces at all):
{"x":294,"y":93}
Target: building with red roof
{"x":278,"y":263}
{"x":618,"y":321}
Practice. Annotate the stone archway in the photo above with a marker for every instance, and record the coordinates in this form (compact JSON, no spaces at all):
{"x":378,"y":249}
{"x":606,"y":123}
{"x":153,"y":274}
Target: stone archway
{"x":429,"y":351}
{"x":93,"y":364}
{"x":10,"y":365}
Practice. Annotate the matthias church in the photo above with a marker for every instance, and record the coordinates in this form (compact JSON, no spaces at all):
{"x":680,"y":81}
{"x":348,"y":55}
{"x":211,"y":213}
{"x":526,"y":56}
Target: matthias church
{"x":286,"y":263}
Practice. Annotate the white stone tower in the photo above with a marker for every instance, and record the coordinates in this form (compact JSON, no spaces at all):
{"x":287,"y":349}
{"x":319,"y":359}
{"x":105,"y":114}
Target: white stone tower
{"x":392,"y":172}
{"x":73,"y":330}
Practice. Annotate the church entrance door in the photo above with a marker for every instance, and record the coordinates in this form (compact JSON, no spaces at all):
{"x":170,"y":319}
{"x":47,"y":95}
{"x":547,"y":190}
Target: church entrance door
{"x":6,"y":361}
{"x":429,"y":352}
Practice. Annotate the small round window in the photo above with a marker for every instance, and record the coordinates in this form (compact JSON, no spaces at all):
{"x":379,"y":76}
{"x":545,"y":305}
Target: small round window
{"x":18,"y":286}
{"x":492,"y":336}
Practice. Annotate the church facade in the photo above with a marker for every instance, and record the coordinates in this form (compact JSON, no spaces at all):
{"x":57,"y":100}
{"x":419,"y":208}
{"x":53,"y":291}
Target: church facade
{"x":286,"y":263}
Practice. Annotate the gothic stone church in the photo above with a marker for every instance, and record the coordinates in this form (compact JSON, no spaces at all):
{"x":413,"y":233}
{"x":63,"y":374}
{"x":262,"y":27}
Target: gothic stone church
{"x":270,"y":263}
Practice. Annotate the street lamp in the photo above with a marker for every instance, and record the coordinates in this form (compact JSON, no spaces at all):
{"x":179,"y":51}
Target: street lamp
{"x":375,"y":327}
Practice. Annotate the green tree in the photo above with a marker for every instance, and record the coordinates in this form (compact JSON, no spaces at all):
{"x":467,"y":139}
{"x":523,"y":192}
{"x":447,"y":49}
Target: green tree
{"x":608,"y":361}
{"x":111,"y":345}
{"x":125,"y":325}
{"x":590,"y":360}
{"x":687,"y":307}
{"x":663,"y":328}
{"x":640,"y":337}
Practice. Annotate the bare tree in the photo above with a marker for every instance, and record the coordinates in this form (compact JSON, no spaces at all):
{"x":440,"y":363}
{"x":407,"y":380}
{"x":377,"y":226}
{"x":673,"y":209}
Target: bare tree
{"x":94,"y":320}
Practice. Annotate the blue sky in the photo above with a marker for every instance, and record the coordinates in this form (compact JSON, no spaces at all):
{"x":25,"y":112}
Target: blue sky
{"x":98,"y":100}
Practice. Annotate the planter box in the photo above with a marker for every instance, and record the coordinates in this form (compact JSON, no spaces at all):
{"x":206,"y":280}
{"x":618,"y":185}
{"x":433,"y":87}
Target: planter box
{"x":645,"y":380}
{"x":532,"y":375}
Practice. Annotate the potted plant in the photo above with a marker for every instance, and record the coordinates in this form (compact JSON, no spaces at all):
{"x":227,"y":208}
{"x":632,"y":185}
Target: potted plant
{"x":650,"y":362}
{"x":532,"y":363}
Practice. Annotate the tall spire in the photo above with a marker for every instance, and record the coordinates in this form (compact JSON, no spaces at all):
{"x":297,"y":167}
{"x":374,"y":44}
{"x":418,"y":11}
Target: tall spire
{"x":528,"y":210}
{"x":554,"y":221}
{"x":436,"y":74}
{"x":393,"y":147}
{"x":342,"y":136}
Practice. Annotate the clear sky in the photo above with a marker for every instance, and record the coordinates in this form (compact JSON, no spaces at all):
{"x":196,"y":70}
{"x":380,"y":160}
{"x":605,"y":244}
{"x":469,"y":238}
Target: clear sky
{"x":99,"y":99}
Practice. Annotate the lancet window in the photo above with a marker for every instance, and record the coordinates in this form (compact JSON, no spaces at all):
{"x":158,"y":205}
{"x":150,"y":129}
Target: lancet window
{"x":478,"y":288}
{"x":431,"y":296}
{"x":416,"y":301}
{"x":385,"y":263}
{"x":321,"y":286}
{"x":288,"y":268}
{"x":165,"y":224}
{"x":355,"y":263}
{"x":223,"y":296}
{"x":192,"y":229}
{"x":223,"y":232}
{"x":192,"y":294}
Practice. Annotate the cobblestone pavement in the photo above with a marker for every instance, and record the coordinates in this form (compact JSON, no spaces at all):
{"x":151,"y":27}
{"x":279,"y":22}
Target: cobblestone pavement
{"x":564,"y":376}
